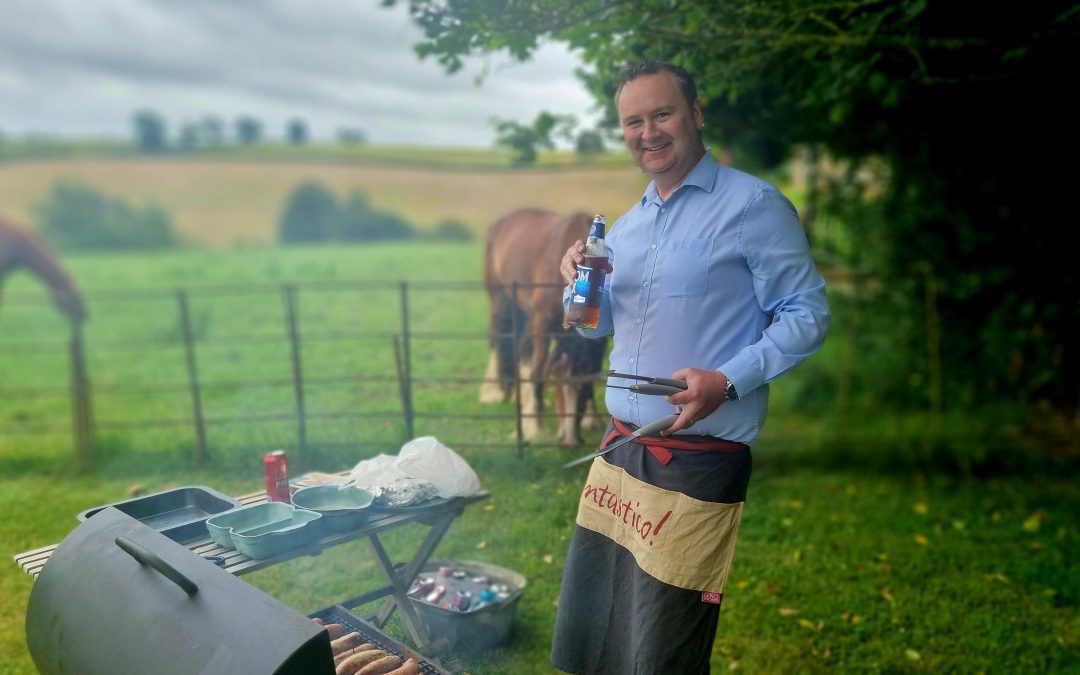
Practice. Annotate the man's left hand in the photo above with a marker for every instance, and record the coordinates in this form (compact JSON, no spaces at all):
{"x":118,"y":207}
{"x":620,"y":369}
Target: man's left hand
{"x":705,"y":391}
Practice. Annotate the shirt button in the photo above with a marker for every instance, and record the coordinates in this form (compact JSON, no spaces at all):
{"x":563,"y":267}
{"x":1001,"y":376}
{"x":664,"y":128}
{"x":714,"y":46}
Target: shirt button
{"x":631,"y":360}
{"x":630,"y":397}
{"x":653,"y":247}
{"x":645,"y":284}
{"x":663,"y":210}
{"x":637,"y":321}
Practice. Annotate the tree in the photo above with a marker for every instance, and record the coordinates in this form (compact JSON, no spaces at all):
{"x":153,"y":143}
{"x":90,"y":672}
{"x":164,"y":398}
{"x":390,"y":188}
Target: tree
{"x":297,"y":131}
{"x":309,"y":215}
{"x":523,"y":140}
{"x":190,"y":137}
{"x":248,"y":130}
{"x":75,"y":216}
{"x":149,"y":131}
{"x":212,"y":131}
{"x":360,"y":221}
{"x":589,"y":142}
{"x":351,"y":136}
{"x":960,"y":104}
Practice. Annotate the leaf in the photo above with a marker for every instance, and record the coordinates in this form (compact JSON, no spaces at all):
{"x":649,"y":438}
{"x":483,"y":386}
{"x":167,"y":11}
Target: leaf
{"x":921,"y":540}
{"x":920,"y":508}
{"x":480,"y":545}
{"x":788,"y":611}
{"x":912,"y":654}
{"x":1035,"y":521}
{"x":742,"y":583}
{"x":795,"y":504}
{"x":997,"y":576}
{"x":489,"y":507}
{"x":887,"y":594}
{"x":807,"y":623}
{"x":549,"y":559}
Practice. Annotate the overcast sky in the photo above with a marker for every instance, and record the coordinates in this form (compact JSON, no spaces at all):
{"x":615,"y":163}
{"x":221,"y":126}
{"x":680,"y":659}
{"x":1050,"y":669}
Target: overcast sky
{"x":80,"y":68}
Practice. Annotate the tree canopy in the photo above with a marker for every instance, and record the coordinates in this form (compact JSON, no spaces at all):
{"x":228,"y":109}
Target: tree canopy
{"x":961,"y":105}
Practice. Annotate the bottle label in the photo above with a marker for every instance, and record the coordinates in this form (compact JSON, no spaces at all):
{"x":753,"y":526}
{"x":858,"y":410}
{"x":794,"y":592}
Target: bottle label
{"x":582,"y":286}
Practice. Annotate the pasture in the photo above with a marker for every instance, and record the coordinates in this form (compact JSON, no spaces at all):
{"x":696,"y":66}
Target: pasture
{"x":859,"y":551}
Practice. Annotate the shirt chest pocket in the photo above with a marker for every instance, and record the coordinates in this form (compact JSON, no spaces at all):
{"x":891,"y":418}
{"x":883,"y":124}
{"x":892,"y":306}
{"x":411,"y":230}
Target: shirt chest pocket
{"x":686,"y":267}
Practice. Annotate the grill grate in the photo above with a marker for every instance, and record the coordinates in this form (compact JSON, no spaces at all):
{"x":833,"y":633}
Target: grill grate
{"x":351,"y":622}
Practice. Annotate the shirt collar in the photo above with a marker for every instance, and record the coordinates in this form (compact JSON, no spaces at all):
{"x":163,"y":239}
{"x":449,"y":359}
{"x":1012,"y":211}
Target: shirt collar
{"x":703,"y":176}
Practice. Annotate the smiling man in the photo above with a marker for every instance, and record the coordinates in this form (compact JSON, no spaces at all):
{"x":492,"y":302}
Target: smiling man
{"x":712,"y":283}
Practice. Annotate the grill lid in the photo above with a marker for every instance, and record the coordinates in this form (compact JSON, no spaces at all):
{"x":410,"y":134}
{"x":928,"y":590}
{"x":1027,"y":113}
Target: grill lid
{"x":117,"y":596}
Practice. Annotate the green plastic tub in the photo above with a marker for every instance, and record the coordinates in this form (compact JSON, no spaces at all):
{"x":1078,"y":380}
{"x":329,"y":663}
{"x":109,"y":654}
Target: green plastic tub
{"x":266,"y":529}
{"x":341,"y":509}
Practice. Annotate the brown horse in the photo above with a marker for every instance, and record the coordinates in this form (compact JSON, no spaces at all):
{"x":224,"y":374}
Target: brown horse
{"x":525,"y":247}
{"x":21,"y":248}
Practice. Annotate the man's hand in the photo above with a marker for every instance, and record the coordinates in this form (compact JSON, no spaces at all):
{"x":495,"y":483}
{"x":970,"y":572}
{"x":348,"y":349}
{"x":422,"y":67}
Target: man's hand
{"x":705,"y":391}
{"x":575,"y":255}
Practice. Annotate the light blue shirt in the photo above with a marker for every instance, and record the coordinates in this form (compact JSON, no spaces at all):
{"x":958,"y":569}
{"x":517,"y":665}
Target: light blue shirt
{"x":717,"y":277}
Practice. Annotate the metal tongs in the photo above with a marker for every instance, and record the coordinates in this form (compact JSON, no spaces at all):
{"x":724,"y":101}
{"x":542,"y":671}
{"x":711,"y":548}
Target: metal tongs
{"x":651,"y":386}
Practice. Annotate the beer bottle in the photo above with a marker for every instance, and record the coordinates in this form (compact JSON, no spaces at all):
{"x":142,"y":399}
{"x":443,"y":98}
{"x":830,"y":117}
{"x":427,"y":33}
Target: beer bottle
{"x":584,"y":309}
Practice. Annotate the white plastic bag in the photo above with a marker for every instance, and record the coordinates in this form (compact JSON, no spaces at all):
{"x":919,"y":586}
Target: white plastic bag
{"x":428,"y":459}
{"x":423,"y":469}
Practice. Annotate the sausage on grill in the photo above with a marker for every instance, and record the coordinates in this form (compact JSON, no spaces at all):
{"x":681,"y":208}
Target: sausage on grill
{"x":410,"y":667}
{"x":381,"y":666}
{"x":338,"y":658}
{"x":346,"y":642}
{"x":354,"y":663}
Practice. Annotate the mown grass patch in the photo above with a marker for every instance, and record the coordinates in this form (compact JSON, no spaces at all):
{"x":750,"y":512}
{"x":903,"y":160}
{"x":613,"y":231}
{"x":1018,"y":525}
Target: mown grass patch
{"x":861,"y":550}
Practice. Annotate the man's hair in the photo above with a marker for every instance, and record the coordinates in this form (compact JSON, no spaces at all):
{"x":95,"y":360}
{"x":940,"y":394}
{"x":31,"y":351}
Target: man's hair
{"x":653,"y":67}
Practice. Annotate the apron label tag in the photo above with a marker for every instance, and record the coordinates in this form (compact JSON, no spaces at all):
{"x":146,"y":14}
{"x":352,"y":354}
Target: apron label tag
{"x":711,"y":597}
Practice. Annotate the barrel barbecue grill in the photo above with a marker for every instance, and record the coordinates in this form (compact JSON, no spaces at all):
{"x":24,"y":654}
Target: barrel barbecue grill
{"x":118,"y":597}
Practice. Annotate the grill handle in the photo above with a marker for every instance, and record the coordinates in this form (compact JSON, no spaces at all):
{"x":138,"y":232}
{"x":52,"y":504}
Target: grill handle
{"x":147,"y":557}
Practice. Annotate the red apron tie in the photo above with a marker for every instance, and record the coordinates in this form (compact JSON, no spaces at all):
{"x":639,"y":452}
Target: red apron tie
{"x":661,"y":447}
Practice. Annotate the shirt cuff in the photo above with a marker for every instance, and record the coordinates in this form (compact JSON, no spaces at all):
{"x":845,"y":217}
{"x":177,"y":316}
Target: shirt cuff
{"x":744,"y":371}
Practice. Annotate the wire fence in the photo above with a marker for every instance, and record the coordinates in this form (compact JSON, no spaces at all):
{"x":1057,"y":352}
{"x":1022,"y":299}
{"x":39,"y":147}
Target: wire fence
{"x":103,"y":365}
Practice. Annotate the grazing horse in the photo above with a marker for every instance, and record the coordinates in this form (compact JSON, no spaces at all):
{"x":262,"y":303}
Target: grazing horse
{"x":525,"y":247}
{"x":20,"y":247}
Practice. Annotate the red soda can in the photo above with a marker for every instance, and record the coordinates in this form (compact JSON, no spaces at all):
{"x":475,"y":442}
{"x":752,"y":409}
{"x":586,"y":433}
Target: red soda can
{"x":435,"y":594}
{"x":277,"y":476}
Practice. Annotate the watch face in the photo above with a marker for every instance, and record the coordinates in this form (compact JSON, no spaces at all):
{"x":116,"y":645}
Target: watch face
{"x":732,"y":395}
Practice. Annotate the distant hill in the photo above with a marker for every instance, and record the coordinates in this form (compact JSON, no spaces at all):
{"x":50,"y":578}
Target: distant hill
{"x":222,"y":198}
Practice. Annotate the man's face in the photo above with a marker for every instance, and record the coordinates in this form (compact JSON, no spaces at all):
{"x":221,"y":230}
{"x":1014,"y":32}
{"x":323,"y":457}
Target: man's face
{"x":662,"y":131}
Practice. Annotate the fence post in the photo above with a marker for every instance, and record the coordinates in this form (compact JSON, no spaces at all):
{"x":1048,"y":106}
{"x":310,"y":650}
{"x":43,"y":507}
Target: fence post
{"x":406,"y":359}
{"x":193,"y":377}
{"x":80,"y":401}
{"x":403,"y":389}
{"x":289,"y":293}
{"x":516,"y":351}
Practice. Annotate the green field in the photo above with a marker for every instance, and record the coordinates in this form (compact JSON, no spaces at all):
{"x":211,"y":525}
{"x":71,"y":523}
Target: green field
{"x":863,"y":547}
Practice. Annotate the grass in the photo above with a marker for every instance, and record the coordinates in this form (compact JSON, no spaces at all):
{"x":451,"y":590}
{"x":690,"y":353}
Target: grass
{"x":848,"y":561}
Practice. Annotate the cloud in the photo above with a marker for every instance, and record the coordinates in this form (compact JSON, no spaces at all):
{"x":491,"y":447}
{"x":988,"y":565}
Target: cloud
{"x":82,"y":67}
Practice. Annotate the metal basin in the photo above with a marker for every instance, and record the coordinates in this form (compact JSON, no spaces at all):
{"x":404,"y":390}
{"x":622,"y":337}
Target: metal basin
{"x":178,"y":514}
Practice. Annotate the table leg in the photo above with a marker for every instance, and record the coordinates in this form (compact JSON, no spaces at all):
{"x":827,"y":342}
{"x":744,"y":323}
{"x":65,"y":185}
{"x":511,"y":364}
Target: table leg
{"x":423,"y":554}
{"x":399,"y":596}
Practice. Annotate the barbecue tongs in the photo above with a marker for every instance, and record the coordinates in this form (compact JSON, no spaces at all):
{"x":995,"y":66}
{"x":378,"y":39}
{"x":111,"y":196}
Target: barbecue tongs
{"x":652,"y":386}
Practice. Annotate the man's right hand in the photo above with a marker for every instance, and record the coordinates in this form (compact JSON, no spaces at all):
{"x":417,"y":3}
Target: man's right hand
{"x":575,"y":255}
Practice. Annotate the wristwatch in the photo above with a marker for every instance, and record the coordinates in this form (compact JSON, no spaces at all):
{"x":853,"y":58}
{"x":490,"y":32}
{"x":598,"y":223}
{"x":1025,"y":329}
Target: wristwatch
{"x":730,"y":394}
